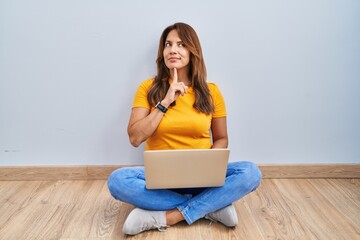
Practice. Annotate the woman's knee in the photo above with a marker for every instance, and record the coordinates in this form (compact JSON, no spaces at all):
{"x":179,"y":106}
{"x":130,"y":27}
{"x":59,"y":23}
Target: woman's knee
{"x":118,"y":181}
{"x":114,"y":181}
{"x":250,"y":174}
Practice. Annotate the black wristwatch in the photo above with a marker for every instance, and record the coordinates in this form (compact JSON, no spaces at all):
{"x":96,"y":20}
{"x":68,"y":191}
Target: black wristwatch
{"x":161,"y":107}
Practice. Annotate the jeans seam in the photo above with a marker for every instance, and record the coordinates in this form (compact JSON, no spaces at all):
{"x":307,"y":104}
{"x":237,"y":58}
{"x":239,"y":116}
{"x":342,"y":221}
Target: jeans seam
{"x":185,"y":215}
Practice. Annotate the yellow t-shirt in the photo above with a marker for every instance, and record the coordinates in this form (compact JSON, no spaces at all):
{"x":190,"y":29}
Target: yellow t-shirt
{"x":182,"y":126}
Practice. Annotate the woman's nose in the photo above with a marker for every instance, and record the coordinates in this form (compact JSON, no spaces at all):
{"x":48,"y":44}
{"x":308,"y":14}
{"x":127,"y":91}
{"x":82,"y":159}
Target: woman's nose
{"x":173,"y":49}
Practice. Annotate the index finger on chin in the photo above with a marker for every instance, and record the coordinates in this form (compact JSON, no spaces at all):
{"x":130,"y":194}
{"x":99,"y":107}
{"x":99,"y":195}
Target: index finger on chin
{"x":175,"y":80}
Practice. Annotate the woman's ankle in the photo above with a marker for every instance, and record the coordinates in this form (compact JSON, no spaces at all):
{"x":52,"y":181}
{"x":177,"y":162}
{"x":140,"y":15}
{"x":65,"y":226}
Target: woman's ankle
{"x":173,"y":217}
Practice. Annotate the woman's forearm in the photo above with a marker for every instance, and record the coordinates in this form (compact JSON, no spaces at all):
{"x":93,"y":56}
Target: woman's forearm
{"x":142,"y":129}
{"x":220,"y":143}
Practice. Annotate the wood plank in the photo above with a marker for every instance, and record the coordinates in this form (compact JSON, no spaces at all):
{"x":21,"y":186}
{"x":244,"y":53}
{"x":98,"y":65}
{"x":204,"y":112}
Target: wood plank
{"x":96,"y":216}
{"x":44,"y":207}
{"x":318,"y":216}
{"x":27,"y":215}
{"x":273,"y":214}
{"x":350,"y":187}
{"x":247,"y":228}
{"x":11,"y":204}
{"x":107,"y":211}
{"x":336,"y":196}
{"x":101,"y":172}
{"x":67,"y":203}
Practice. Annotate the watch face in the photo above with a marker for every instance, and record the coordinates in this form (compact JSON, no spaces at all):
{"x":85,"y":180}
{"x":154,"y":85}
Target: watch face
{"x":161,"y":107}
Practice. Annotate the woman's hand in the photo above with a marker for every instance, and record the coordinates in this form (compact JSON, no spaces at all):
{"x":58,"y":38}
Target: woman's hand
{"x":176,"y":89}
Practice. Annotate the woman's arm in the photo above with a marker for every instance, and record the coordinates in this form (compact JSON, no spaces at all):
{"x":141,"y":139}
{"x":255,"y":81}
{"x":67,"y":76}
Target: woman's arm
{"x":142,"y":124}
{"x":219,"y":133}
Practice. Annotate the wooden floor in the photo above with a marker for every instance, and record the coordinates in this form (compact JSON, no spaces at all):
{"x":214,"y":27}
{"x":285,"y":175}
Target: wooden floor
{"x":279,"y":209}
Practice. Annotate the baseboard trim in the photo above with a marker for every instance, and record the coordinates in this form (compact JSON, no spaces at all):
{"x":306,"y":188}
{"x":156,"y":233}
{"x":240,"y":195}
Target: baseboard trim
{"x":101,"y":172}
{"x":310,"y":171}
{"x":40,"y":173}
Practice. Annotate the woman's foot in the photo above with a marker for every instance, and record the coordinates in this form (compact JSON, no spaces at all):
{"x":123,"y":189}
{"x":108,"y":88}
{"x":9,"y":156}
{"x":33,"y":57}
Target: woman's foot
{"x":226,"y":216}
{"x":140,"y":220}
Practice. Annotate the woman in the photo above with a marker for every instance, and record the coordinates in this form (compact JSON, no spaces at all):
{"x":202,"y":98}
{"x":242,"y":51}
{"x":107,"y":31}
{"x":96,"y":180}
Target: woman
{"x":178,"y":109}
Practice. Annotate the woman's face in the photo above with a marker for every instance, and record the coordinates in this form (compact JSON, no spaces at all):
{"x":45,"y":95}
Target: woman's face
{"x":175,"y":52}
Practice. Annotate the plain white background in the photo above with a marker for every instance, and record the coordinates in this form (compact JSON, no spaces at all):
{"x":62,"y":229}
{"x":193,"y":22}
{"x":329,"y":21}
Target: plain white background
{"x":289,"y":71}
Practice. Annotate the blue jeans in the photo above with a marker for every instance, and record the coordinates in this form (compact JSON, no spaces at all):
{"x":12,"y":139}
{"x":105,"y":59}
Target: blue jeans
{"x":128,"y":185}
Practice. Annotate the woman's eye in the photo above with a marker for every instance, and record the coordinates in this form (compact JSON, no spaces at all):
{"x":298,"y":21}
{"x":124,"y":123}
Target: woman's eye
{"x":167,"y":44}
{"x":181,"y":45}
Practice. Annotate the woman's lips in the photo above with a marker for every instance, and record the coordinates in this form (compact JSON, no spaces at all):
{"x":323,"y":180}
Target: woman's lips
{"x":173,"y":59}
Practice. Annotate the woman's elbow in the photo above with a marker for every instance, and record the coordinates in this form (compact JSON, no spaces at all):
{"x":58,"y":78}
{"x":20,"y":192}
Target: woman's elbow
{"x":132,"y":138}
{"x":134,"y":141}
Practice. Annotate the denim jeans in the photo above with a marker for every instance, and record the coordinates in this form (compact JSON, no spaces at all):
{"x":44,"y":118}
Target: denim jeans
{"x":128,"y":185}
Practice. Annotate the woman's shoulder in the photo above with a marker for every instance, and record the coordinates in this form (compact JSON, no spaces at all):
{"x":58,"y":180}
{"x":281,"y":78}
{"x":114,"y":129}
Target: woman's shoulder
{"x":213,"y":87}
{"x":147,"y":82}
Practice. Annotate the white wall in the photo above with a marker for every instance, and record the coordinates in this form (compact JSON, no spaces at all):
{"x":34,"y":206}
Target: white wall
{"x":289,"y":70}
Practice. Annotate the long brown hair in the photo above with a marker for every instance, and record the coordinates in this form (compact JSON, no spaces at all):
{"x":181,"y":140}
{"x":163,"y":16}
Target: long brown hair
{"x":197,"y":70}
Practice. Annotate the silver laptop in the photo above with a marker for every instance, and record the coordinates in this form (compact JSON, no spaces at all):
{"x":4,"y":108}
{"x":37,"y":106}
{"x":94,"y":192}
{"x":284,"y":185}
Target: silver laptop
{"x":189,"y":168}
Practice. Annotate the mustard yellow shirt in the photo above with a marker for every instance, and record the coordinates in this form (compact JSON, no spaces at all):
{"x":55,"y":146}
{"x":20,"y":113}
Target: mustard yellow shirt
{"x":182,"y":126}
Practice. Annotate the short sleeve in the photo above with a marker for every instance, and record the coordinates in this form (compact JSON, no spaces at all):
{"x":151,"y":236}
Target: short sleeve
{"x":218,"y":100}
{"x":140,"y":99}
